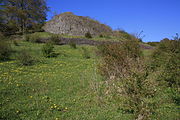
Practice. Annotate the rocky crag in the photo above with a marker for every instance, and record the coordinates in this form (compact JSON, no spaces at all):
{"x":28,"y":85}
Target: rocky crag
{"x":68,"y":23}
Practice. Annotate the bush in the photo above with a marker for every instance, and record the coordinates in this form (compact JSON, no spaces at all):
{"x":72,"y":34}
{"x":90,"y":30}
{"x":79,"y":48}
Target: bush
{"x":55,"y":39}
{"x":115,"y":55}
{"x":127,"y":78}
{"x":86,"y":53}
{"x":1,"y":36}
{"x":101,"y":36}
{"x":88,"y":35}
{"x":72,"y":44}
{"x":25,"y":58}
{"x":5,"y":50}
{"x":34,"y":38}
{"x":153,"y":43}
{"x":27,"y":38}
{"x":15,"y":43}
{"x":48,"y":50}
{"x":166,"y":57}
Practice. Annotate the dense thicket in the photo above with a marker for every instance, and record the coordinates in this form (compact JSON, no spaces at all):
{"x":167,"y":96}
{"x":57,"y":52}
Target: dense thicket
{"x":138,"y":83}
{"x":126,"y":77}
{"x":166,"y":60}
{"x":21,"y":15}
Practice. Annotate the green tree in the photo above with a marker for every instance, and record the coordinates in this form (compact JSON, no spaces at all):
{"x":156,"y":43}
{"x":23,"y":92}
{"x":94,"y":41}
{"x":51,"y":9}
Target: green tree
{"x":22,"y":14}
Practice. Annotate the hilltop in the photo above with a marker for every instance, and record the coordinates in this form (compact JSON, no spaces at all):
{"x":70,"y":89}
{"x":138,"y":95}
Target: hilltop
{"x":68,"y":23}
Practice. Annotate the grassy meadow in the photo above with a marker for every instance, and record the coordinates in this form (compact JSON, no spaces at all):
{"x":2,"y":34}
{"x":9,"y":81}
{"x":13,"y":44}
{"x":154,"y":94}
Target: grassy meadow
{"x":66,"y":87}
{"x":53,"y":88}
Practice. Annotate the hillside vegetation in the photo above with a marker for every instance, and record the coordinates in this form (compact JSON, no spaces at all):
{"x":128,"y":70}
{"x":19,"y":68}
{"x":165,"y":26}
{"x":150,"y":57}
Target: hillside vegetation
{"x":76,"y":68}
{"x":68,"y":84}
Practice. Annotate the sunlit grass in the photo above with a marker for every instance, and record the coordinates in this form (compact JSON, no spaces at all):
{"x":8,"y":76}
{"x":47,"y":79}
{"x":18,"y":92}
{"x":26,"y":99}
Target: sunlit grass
{"x":60,"y":88}
{"x":53,"y":88}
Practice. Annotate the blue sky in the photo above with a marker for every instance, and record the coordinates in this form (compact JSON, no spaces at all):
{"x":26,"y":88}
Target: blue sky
{"x":157,"y":18}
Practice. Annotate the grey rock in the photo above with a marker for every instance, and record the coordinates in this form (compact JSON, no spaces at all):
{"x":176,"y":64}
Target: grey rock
{"x":68,"y":23}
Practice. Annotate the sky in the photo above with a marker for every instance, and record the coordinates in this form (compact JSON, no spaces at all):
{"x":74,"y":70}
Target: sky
{"x":157,"y":19}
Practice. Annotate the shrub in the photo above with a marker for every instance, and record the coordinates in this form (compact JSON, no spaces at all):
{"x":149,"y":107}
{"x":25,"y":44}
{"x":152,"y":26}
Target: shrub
{"x":1,"y":36}
{"x":166,"y":56}
{"x":27,"y":38}
{"x":127,"y":78}
{"x":85,"y":53}
{"x":25,"y":58}
{"x":48,"y":50}
{"x":153,"y":43}
{"x":35,"y":38}
{"x":88,"y":35}
{"x":5,"y":50}
{"x":101,"y":36}
{"x":15,"y":43}
{"x":55,"y":39}
{"x":72,"y":44}
{"x":115,"y":55}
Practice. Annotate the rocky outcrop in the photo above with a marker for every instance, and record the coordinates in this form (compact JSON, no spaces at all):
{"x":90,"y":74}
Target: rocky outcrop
{"x":68,"y":23}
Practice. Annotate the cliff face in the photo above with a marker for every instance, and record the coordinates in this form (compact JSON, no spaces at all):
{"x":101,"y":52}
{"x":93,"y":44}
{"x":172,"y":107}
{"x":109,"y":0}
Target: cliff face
{"x":68,"y":23}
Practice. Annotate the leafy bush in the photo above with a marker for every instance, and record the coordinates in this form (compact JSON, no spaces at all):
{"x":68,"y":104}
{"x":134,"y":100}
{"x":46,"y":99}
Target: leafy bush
{"x":25,"y":58}
{"x":88,"y":35}
{"x":48,"y":50}
{"x":165,"y":60}
{"x":85,"y":53}
{"x":166,"y":56}
{"x":72,"y":44}
{"x":115,"y":54}
{"x":5,"y":50}
{"x":126,"y":77}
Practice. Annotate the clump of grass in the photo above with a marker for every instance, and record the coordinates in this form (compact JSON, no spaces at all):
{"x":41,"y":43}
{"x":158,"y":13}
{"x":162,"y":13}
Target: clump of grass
{"x":72,"y":44}
{"x":25,"y":58}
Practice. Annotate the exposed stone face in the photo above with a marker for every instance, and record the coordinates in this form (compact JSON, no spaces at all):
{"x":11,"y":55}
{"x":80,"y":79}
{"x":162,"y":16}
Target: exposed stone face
{"x":68,"y":23}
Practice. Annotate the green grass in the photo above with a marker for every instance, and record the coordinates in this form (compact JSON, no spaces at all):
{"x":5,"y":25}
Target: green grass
{"x":62,"y":88}
{"x":53,"y":88}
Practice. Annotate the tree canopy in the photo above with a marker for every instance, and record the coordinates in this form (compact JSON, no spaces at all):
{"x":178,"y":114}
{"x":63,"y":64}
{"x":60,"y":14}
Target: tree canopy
{"x":21,"y":15}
